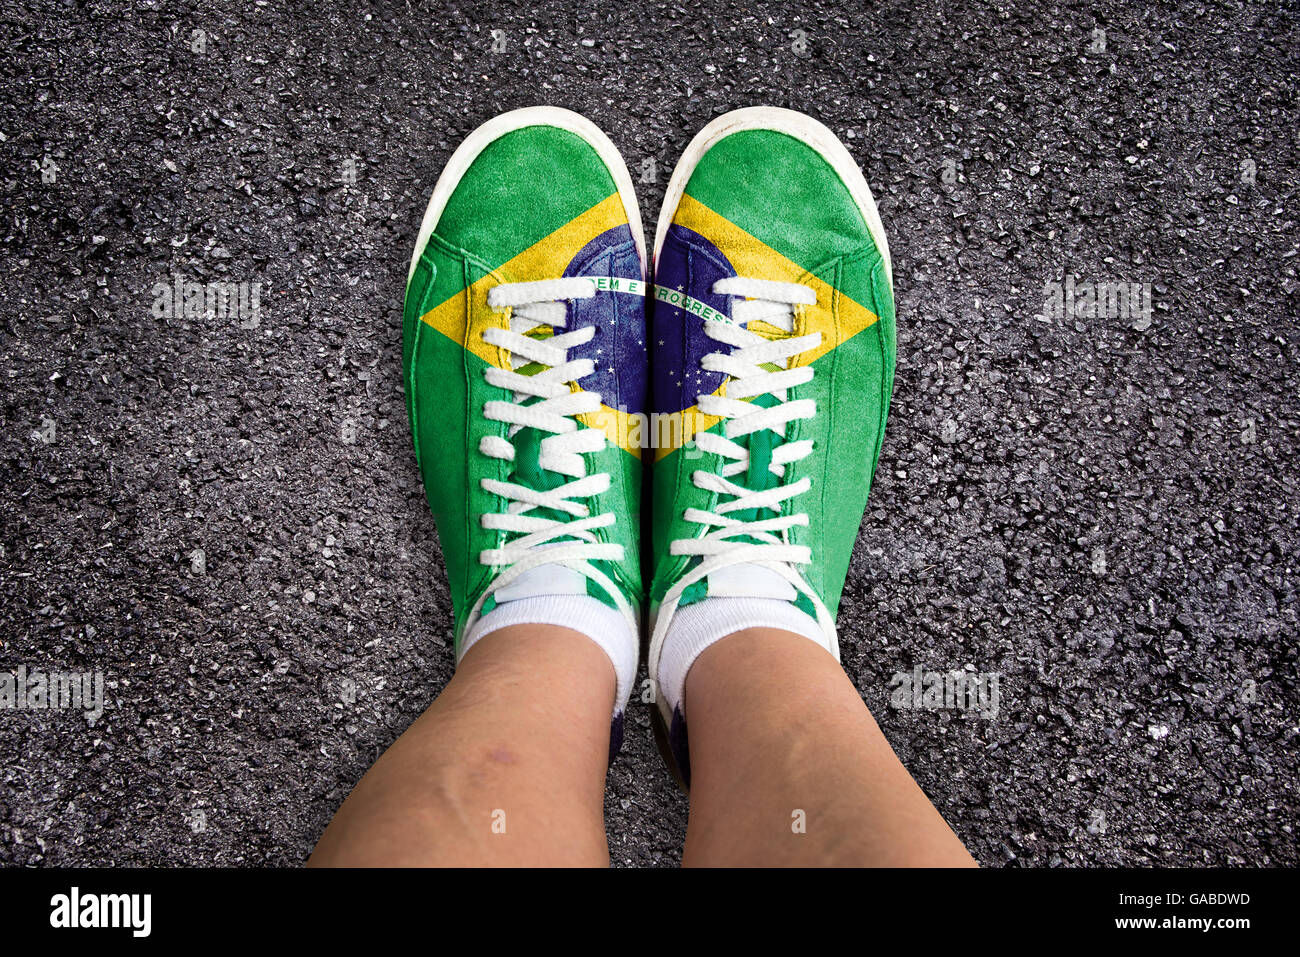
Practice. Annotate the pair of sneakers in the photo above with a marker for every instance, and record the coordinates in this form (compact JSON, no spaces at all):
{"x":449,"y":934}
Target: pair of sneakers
{"x":753,"y":376}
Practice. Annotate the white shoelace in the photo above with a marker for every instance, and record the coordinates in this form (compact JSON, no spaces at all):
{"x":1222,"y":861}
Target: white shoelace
{"x":717,"y":542}
{"x":533,"y":304}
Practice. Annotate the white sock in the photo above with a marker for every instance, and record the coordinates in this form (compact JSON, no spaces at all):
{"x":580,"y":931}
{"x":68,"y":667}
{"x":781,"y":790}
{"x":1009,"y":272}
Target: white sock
{"x":699,"y":625}
{"x":604,"y":625}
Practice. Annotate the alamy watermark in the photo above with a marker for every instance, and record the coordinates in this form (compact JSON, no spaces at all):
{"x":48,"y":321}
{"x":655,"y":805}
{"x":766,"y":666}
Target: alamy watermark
{"x":1080,"y":299}
{"x":956,"y":690}
{"x":75,"y":909}
{"x":178,"y":298}
{"x":662,"y":431}
{"x":32,"y":690}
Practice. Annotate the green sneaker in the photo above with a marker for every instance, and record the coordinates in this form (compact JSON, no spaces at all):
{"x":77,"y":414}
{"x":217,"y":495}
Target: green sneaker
{"x":773,"y":364}
{"x":524,"y":356}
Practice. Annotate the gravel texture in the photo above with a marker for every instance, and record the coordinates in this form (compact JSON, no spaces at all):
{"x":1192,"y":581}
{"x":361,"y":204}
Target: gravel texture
{"x":1101,"y":510}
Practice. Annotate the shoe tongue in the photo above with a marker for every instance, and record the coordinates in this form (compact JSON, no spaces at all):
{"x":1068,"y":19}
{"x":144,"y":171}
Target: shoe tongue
{"x":759,"y":477}
{"x":749,"y":581}
{"x":541,"y":581}
{"x":527,"y":441}
{"x":528,"y":469}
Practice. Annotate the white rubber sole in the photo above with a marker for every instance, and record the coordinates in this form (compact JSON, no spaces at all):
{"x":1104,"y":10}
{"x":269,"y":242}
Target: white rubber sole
{"x":499,"y":126}
{"x":803,"y":128}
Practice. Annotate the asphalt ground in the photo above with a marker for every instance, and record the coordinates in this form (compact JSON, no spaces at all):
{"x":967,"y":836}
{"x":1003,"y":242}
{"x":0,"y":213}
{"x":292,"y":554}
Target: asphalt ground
{"x":224,"y":518}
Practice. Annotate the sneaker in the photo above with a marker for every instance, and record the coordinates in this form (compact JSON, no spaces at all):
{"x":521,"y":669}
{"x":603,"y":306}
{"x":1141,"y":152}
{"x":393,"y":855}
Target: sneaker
{"x":772,"y":368}
{"x":524,"y":357}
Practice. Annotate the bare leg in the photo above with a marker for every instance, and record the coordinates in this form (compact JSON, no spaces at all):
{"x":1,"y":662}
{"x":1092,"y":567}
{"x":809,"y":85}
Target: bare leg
{"x":506,"y":767}
{"x":788,"y":766}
